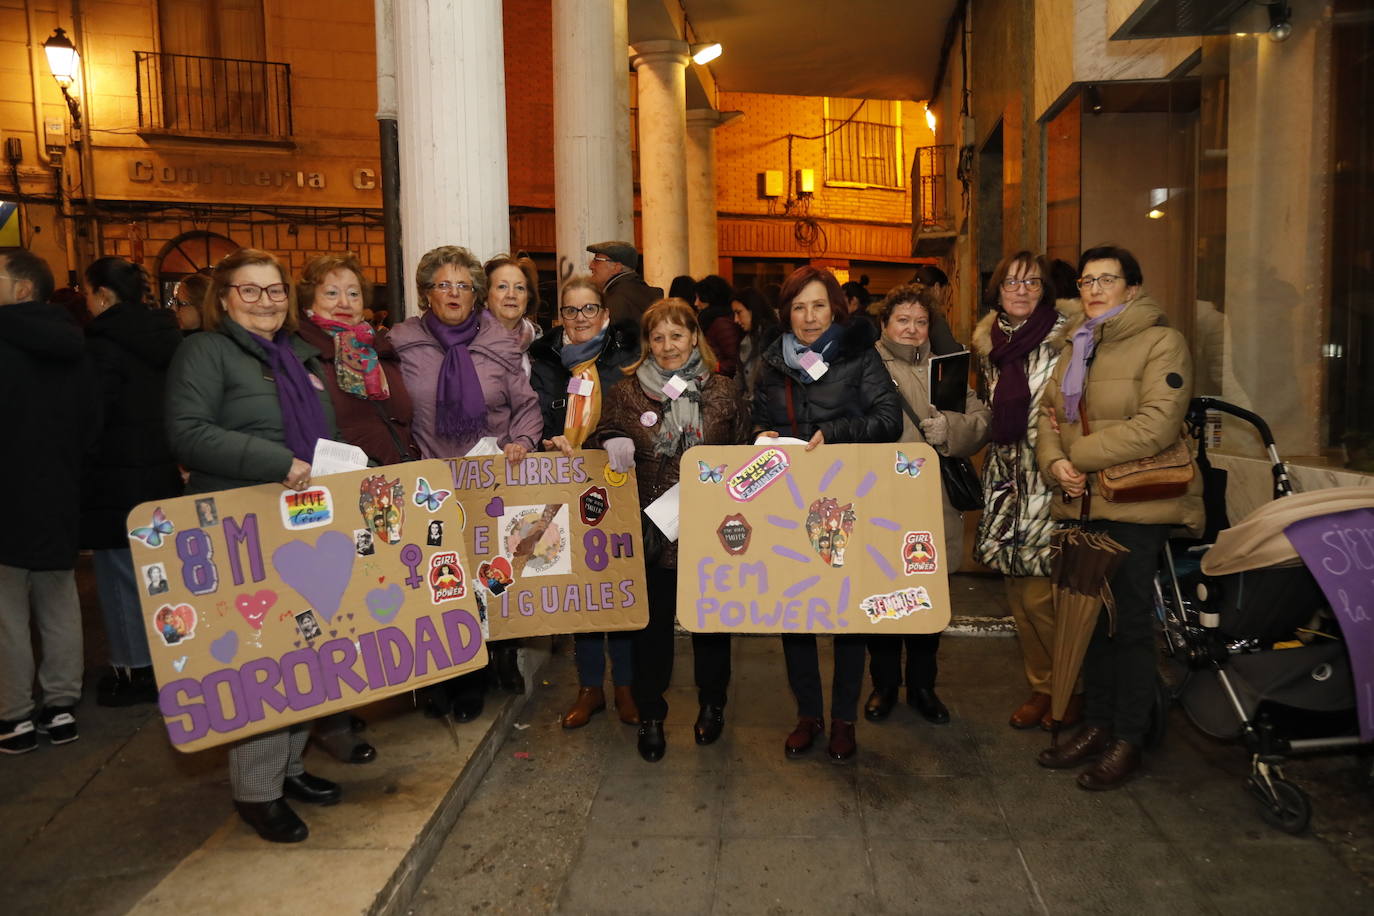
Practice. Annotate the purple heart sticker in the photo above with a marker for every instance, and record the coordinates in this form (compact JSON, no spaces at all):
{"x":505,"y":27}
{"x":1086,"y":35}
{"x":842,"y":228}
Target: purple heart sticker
{"x":226,"y":647}
{"x":383,"y":603}
{"x":319,"y":574}
{"x":496,"y":507}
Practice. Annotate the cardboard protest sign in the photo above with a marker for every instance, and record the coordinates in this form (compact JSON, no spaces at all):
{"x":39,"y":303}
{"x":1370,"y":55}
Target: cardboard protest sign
{"x":1338,"y":549}
{"x":843,"y":539}
{"x":554,"y":542}
{"x":265,"y":606}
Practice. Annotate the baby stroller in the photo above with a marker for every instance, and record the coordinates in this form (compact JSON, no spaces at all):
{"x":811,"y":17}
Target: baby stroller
{"x":1255,"y":655}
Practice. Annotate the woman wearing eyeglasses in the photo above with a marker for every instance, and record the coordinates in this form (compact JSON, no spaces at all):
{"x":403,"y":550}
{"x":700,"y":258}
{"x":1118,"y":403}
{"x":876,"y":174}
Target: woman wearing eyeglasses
{"x":462,"y":369}
{"x":587,"y":347}
{"x":1119,"y":393}
{"x":1017,"y":344}
{"x":246,"y":403}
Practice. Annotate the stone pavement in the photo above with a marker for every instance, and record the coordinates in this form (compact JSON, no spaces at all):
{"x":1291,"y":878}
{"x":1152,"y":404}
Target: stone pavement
{"x":926,"y":819}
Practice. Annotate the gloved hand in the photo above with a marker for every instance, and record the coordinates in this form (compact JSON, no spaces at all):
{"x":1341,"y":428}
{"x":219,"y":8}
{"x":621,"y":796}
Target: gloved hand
{"x":620,"y":451}
{"x":936,"y":429}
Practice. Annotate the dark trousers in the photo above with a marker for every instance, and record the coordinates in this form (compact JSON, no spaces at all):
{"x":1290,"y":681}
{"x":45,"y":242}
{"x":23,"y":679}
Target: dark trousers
{"x":1119,"y":670}
{"x":885,"y":661}
{"x":653,"y":652}
{"x":804,"y":675}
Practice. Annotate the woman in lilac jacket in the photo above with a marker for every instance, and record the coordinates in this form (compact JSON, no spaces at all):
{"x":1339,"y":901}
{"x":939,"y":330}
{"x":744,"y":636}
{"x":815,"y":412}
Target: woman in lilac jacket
{"x":460,"y":365}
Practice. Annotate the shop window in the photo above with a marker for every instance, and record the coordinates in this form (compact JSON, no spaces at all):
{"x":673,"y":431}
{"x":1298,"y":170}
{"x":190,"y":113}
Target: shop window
{"x":190,"y":253}
{"x":863,"y":142}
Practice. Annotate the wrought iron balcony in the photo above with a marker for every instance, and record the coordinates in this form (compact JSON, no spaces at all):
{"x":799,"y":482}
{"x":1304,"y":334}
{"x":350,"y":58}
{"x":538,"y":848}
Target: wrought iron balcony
{"x":216,"y":97}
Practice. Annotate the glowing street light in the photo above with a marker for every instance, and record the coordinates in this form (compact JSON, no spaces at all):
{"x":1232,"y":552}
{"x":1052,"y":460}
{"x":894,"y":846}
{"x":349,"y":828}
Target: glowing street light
{"x":65,"y":63}
{"x":705,"y":52}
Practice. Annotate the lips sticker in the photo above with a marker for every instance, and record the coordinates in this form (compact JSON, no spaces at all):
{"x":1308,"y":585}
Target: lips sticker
{"x":734,"y":533}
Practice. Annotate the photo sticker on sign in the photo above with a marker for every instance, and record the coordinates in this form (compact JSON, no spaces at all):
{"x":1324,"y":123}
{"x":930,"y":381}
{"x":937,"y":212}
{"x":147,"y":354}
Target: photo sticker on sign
{"x":175,"y":624}
{"x":310,"y":508}
{"x":918,"y":553}
{"x":446,"y":578}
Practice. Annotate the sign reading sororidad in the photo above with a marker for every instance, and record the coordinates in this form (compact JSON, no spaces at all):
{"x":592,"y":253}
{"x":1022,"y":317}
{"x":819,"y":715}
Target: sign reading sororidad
{"x":266,"y":606}
{"x":555,"y":543}
{"x":843,"y":539}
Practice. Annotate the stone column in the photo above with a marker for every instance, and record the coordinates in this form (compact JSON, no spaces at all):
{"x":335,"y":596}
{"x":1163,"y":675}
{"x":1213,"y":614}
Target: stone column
{"x":702,"y":239}
{"x":661,"y":66}
{"x":624,"y":155}
{"x":451,"y":94}
{"x":587,"y":113}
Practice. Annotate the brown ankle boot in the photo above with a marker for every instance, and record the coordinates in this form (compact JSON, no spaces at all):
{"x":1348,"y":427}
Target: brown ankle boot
{"x":1118,"y":763}
{"x":1072,"y":715}
{"x":1082,"y":747}
{"x":1029,"y":713}
{"x":625,"y":706}
{"x":590,"y":701}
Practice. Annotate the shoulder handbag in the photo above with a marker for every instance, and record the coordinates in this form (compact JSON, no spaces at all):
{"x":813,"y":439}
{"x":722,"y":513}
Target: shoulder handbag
{"x":1162,"y":476}
{"x":960,"y":480}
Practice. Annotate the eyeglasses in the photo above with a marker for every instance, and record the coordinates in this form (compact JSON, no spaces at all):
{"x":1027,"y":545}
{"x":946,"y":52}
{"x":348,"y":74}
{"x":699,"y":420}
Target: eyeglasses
{"x":600,"y":259}
{"x":569,"y":312}
{"x":251,"y":292}
{"x":1105,"y":281}
{"x":1032,"y":284}
{"x":447,"y":287}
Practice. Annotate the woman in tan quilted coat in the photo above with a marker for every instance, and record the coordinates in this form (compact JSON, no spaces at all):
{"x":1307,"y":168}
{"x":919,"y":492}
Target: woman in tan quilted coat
{"x":1119,"y":393}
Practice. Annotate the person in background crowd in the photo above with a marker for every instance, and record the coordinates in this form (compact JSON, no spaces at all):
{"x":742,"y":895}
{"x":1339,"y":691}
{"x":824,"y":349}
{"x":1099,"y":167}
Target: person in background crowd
{"x":717,"y":320}
{"x":462,"y":367}
{"x":625,"y":293}
{"x":683,"y":287}
{"x":934,"y":279}
{"x":1119,"y":393}
{"x":853,"y":400}
{"x":1018,"y":345}
{"x":861,"y":304}
{"x":130,"y":346}
{"x":187,"y":298}
{"x":590,"y":348}
{"x":51,"y":418}
{"x":708,"y":412}
{"x":371,"y":406}
{"x":512,"y":297}
{"x":905,"y":352}
{"x":758,"y":324}
{"x":246,"y":403}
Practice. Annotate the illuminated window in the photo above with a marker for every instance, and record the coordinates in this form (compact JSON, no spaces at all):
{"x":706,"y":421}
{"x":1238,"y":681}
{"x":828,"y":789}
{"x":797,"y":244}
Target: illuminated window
{"x":863,"y":142}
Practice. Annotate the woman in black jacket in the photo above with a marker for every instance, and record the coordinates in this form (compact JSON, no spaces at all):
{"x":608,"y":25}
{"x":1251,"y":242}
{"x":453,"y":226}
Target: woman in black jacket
{"x":130,"y":346}
{"x":844,"y":396}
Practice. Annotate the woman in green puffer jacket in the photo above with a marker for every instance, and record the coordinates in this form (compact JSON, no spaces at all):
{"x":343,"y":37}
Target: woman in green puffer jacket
{"x":1018,"y":345}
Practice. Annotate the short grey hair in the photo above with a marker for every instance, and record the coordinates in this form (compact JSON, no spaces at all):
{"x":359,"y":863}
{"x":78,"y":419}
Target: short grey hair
{"x":457,"y":256}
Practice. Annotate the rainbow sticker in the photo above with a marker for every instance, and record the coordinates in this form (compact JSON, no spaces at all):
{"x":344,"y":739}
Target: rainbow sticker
{"x":310,"y":508}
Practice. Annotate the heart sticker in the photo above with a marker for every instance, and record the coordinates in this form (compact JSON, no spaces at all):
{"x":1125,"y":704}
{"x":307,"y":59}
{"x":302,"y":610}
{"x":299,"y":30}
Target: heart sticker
{"x":254,"y":607}
{"x":226,"y":647}
{"x":496,"y":507}
{"x":318,"y":573}
{"x":383,"y":603}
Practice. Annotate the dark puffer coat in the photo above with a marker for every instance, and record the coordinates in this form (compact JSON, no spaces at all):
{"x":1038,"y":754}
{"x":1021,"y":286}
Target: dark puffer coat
{"x":549,"y":379}
{"x":855,"y":401}
{"x":50,"y":416}
{"x":130,"y":347}
{"x":724,"y":421}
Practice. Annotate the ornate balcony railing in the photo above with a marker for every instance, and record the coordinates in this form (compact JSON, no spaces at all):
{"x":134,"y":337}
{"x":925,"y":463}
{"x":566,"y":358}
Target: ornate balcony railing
{"x":219,"y":97}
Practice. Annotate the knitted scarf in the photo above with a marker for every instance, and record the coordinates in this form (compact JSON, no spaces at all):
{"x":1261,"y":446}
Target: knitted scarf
{"x":460,"y":411}
{"x":356,"y":365}
{"x":1011,"y":399}
{"x":681,"y":426}
{"x":302,"y":416}
{"x":584,"y":410}
{"x":823,"y":346}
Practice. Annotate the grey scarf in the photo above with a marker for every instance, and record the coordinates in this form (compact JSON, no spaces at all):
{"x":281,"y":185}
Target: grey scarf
{"x":681,"y":426}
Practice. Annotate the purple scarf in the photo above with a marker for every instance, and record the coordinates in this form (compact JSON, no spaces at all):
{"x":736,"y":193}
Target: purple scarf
{"x":302,"y":416}
{"x":1012,"y":397}
{"x":460,"y":411}
{"x":1077,"y":373}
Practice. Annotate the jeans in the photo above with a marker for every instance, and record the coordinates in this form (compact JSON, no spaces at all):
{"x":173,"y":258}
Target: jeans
{"x":119,"y":587}
{"x":590,"y":656}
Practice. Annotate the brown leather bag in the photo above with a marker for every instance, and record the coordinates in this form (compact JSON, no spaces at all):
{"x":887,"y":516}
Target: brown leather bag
{"x":1163,"y":476}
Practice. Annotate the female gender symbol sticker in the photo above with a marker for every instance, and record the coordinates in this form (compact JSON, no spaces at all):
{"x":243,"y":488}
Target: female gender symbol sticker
{"x":412,"y":557}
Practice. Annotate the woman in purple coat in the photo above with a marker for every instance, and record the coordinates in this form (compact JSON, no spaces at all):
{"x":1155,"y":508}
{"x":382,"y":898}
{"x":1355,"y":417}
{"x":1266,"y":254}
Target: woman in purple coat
{"x":462,"y":368}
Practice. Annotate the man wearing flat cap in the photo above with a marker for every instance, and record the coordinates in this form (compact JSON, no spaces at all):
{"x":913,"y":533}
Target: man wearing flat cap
{"x":623,"y":290}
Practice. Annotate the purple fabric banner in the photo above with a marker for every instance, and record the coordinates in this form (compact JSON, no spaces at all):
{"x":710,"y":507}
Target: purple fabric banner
{"x":1339,"y":550}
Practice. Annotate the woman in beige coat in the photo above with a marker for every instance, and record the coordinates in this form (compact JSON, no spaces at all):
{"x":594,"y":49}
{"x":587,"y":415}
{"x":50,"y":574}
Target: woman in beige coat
{"x":1119,"y":393}
{"x":905,"y":316}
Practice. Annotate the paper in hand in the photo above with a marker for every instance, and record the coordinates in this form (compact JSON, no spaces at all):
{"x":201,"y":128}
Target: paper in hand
{"x":335,"y":458}
{"x":663,"y":512}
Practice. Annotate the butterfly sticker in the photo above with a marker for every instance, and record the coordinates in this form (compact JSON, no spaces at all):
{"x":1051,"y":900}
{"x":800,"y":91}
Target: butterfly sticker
{"x":708,"y":474}
{"x":152,"y":535}
{"x":911,"y":466}
{"x":430,"y":499}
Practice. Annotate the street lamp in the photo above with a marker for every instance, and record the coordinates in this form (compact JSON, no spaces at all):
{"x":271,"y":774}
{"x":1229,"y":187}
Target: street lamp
{"x":65,"y":63}
{"x":704,"y":52}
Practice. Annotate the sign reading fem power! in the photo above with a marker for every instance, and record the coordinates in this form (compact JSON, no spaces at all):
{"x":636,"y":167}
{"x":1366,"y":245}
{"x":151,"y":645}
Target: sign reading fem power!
{"x":843,"y":539}
{"x":554,"y":542}
{"x":265,"y":607}
{"x":1339,"y":551}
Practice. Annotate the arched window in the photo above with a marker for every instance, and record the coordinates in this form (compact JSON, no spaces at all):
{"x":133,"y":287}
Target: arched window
{"x":192,"y":252}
